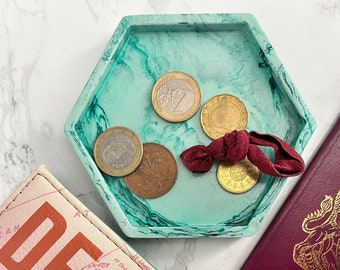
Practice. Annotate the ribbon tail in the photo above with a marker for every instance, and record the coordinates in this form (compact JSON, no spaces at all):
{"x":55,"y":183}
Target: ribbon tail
{"x":197,"y":159}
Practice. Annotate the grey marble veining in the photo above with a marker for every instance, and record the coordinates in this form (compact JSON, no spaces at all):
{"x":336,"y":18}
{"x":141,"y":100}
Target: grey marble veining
{"x":18,"y":65}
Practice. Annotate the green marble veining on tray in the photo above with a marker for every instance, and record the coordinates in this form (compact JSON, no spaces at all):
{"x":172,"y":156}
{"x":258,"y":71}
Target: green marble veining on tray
{"x":225,"y":53}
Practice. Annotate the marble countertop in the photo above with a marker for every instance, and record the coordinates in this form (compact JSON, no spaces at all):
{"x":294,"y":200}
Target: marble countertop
{"x":48,"y":50}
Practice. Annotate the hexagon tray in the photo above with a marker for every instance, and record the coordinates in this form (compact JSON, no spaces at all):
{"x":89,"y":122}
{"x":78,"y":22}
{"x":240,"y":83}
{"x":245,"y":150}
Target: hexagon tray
{"x":225,"y":53}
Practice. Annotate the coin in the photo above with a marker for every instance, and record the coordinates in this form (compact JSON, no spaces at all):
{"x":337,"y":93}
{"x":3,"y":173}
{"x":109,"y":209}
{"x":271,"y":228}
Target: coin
{"x":156,"y":174}
{"x":118,"y":151}
{"x":222,"y":114}
{"x":176,"y":96}
{"x":237,"y":177}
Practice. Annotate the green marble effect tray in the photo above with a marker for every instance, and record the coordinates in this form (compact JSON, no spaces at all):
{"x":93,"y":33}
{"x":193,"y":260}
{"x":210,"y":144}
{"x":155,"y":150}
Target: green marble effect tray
{"x":225,"y":53}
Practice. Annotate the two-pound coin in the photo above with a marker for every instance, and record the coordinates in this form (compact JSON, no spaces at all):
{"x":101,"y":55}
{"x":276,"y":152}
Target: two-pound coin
{"x":222,"y":114}
{"x":176,"y":96}
{"x":156,"y":174}
{"x":237,"y":177}
{"x":118,"y":151}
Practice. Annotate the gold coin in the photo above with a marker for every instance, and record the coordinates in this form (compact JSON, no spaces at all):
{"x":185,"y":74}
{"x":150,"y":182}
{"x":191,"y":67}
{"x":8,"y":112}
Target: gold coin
{"x":222,"y":114}
{"x":156,"y":174}
{"x":118,"y":151}
{"x":237,"y":177}
{"x":176,"y":96}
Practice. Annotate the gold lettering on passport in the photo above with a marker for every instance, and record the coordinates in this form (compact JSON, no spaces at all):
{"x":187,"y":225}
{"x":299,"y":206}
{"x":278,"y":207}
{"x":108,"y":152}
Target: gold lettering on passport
{"x":321,"y":247}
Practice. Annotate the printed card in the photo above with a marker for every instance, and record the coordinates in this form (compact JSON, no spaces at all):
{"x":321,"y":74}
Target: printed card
{"x":43,"y":226}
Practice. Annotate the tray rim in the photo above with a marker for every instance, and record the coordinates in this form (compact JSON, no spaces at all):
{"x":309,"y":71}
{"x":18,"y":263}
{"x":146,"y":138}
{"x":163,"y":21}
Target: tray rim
{"x":108,"y":55}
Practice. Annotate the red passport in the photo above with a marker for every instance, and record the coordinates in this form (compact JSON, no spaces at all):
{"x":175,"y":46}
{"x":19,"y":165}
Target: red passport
{"x":305,"y":234}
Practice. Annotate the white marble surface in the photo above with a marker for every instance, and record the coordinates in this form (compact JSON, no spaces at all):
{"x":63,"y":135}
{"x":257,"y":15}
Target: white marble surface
{"x":49,"y":48}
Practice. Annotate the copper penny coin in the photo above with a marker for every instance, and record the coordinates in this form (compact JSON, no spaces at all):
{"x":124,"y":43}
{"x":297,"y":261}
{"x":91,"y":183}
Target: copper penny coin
{"x":222,"y":114}
{"x":176,"y":96}
{"x":156,"y":174}
{"x":237,"y":177}
{"x":118,"y":151}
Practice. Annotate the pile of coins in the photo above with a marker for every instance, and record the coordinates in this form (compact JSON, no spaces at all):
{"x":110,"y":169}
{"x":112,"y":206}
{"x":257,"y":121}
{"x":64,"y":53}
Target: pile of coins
{"x":176,"y":97}
{"x":150,"y":169}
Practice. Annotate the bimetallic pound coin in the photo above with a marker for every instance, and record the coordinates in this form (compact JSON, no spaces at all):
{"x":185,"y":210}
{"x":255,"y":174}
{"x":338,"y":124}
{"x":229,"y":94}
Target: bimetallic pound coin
{"x":222,"y":114}
{"x":176,"y":96}
{"x":237,"y":177}
{"x":156,"y":174}
{"x":118,"y":151}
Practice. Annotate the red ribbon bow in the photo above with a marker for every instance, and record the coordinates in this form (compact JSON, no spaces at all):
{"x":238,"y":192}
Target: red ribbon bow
{"x":237,"y":145}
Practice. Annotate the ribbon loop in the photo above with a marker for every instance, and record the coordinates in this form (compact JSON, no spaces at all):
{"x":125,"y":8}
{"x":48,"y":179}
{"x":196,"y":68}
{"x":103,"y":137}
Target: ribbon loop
{"x":237,"y":145}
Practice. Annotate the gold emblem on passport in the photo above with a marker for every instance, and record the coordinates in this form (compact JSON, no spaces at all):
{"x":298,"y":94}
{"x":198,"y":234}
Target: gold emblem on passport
{"x":156,"y":174}
{"x":237,"y":177}
{"x":176,"y":96}
{"x":118,"y":151}
{"x":222,"y":114}
{"x":321,"y":247}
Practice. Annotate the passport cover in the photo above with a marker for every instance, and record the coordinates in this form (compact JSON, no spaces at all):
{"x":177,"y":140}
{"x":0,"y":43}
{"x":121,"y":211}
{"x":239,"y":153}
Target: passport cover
{"x":43,"y":226}
{"x":305,"y":234}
